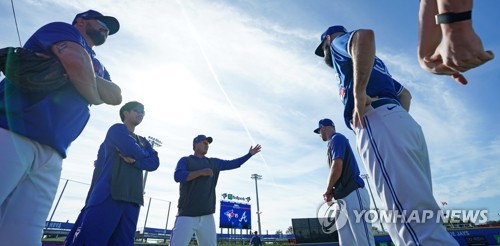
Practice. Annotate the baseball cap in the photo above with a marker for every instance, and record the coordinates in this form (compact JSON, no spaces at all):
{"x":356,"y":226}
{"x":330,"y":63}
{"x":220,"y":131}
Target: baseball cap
{"x":330,"y":30}
{"x":200,"y":138}
{"x":324,"y":122}
{"x":111,"y":22}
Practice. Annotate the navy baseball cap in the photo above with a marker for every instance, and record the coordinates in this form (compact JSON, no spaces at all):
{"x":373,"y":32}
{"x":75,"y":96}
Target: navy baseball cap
{"x":200,"y":138}
{"x":111,"y":22}
{"x":330,"y":30}
{"x":324,"y":122}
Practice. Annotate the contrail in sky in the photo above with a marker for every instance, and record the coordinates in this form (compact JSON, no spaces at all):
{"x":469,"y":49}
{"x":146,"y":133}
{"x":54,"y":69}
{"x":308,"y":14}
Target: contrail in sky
{"x":216,"y":78}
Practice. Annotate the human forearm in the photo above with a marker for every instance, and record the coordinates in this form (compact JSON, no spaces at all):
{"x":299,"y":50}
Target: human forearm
{"x":454,"y":6}
{"x":232,"y":164}
{"x":119,"y":136}
{"x":150,"y":163}
{"x":335,"y":172}
{"x":362,"y":51}
{"x":78,"y":66}
{"x":182,"y":174}
{"x":198,"y":173}
{"x":192,"y":175}
{"x":429,"y":33}
{"x":109,"y":92}
{"x":363,"y":57}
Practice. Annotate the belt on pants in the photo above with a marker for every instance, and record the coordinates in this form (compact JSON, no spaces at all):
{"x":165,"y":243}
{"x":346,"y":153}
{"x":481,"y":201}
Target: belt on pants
{"x":383,"y":101}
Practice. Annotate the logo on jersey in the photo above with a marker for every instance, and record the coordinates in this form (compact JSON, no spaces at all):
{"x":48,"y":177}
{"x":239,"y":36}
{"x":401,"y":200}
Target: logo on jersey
{"x":380,"y":67}
{"x":342,"y":92}
{"x":98,"y":68}
{"x":391,"y":108}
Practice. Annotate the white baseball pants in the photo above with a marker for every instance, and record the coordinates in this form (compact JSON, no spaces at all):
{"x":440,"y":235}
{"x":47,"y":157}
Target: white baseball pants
{"x":202,"y":226}
{"x":356,"y":232}
{"x":393,"y":150}
{"x":29,"y":177}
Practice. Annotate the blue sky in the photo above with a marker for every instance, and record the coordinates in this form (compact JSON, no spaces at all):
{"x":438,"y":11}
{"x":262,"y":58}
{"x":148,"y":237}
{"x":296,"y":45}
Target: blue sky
{"x":244,"y":72}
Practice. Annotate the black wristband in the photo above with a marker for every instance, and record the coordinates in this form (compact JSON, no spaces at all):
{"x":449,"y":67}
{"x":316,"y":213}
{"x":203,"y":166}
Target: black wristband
{"x":451,"y":17}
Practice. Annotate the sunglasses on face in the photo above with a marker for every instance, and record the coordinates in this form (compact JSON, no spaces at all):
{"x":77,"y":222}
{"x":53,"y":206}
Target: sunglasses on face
{"x":102,"y":24}
{"x":139,"y":110}
{"x":205,"y":142}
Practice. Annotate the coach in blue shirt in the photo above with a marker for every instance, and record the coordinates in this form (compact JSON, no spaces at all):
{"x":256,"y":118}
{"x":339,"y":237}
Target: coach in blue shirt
{"x":36,"y":129}
{"x":198,"y":175}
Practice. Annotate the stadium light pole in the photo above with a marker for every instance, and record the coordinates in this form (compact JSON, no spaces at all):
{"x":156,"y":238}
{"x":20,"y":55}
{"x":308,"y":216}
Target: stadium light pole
{"x":257,"y":177}
{"x":154,"y":142}
{"x":166,"y":224}
{"x":58,"y":200}
{"x":168,"y":215}
{"x":365,"y":176}
{"x":146,"y":220}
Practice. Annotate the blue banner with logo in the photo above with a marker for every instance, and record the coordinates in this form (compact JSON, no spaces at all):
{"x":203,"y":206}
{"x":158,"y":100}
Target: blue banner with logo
{"x":58,"y":225}
{"x":235,"y":215}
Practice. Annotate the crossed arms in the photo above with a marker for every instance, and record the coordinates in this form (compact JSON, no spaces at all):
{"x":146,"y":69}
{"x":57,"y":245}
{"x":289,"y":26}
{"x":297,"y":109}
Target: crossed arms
{"x":78,"y":64}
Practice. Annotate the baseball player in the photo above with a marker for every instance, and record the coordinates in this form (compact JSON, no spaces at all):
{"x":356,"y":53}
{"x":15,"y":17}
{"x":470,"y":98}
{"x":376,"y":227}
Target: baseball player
{"x":112,"y":209}
{"x":36,"y":129}
{"x":389,"y":141}
{"x":345,"y":183}
{"x":198,"y":175}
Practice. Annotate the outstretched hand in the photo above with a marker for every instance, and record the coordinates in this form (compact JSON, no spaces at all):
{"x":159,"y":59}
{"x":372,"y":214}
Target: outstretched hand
{"x":458,"y":52}
{"x":435,"y":65}
{"x":255,"y":150}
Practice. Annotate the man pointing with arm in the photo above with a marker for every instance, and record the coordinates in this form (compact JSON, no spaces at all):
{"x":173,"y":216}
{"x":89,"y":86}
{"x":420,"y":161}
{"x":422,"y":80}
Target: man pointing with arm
{"x":198,"y":175}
